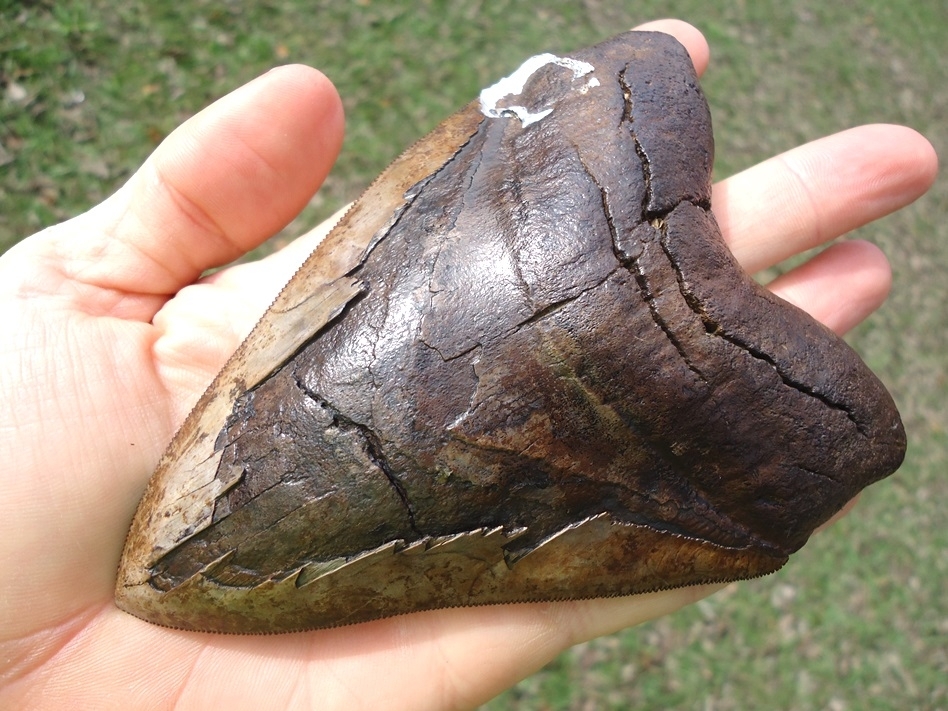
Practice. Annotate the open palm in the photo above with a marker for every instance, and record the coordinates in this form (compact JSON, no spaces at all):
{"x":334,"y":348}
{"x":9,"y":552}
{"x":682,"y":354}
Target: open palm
{"x":109,"y":339}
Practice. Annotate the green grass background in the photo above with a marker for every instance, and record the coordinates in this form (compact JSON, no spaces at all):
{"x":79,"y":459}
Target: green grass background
{"x":859,"y":618}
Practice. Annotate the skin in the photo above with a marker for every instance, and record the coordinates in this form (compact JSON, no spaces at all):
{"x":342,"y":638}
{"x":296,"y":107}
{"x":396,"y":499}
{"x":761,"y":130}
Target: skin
{"x":110,"y":337}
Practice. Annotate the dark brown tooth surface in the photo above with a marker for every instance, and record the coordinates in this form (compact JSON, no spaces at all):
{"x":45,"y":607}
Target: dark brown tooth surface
{"x":523,"y":367}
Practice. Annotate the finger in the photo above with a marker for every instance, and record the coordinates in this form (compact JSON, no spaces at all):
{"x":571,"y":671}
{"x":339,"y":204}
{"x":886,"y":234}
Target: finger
{"x":219,"y":185}
{"x":819,"y":191}
{"x":688,"y":35}
{"x":842,"y":513}
{"x":450,"y":658}
{"x":840,"y":286}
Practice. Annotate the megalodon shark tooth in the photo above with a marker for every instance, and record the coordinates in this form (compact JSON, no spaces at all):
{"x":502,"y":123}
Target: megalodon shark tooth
{"x":524,"y":366}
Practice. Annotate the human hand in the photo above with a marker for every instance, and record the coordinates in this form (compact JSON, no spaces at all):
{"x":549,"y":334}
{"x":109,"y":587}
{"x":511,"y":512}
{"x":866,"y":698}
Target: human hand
{"x":110,"y":339}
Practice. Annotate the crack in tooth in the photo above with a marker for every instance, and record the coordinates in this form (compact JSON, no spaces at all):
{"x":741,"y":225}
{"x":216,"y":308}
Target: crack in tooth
{"x":631,"y":263}
{"x":373,"y":447}
{"x":639,"y":149}
{"x":717,"y":329}
{"x":374,"y":450}
{"x":552,"y":308}
{"x":649,"y":298}
{"x":786,"y":379}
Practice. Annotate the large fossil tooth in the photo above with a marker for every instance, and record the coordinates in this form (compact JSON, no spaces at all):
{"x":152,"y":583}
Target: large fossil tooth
{"x":523,"y":367}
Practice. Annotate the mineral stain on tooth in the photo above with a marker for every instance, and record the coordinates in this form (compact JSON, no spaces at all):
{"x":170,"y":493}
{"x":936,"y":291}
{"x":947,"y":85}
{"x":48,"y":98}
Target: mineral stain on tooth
{"x":524,"y":366}
{"x":513,"y":86}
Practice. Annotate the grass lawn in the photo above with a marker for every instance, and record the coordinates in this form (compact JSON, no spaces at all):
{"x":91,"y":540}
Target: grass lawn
{"x":859,"y":618}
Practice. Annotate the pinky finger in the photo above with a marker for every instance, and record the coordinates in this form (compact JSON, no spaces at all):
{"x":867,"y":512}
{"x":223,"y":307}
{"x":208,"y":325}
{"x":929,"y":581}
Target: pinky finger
{"x":839,"y":287}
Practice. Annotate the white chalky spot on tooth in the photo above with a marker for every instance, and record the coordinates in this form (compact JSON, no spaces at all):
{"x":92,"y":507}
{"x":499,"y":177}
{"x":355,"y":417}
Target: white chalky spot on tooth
{"x":513,"y":86}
